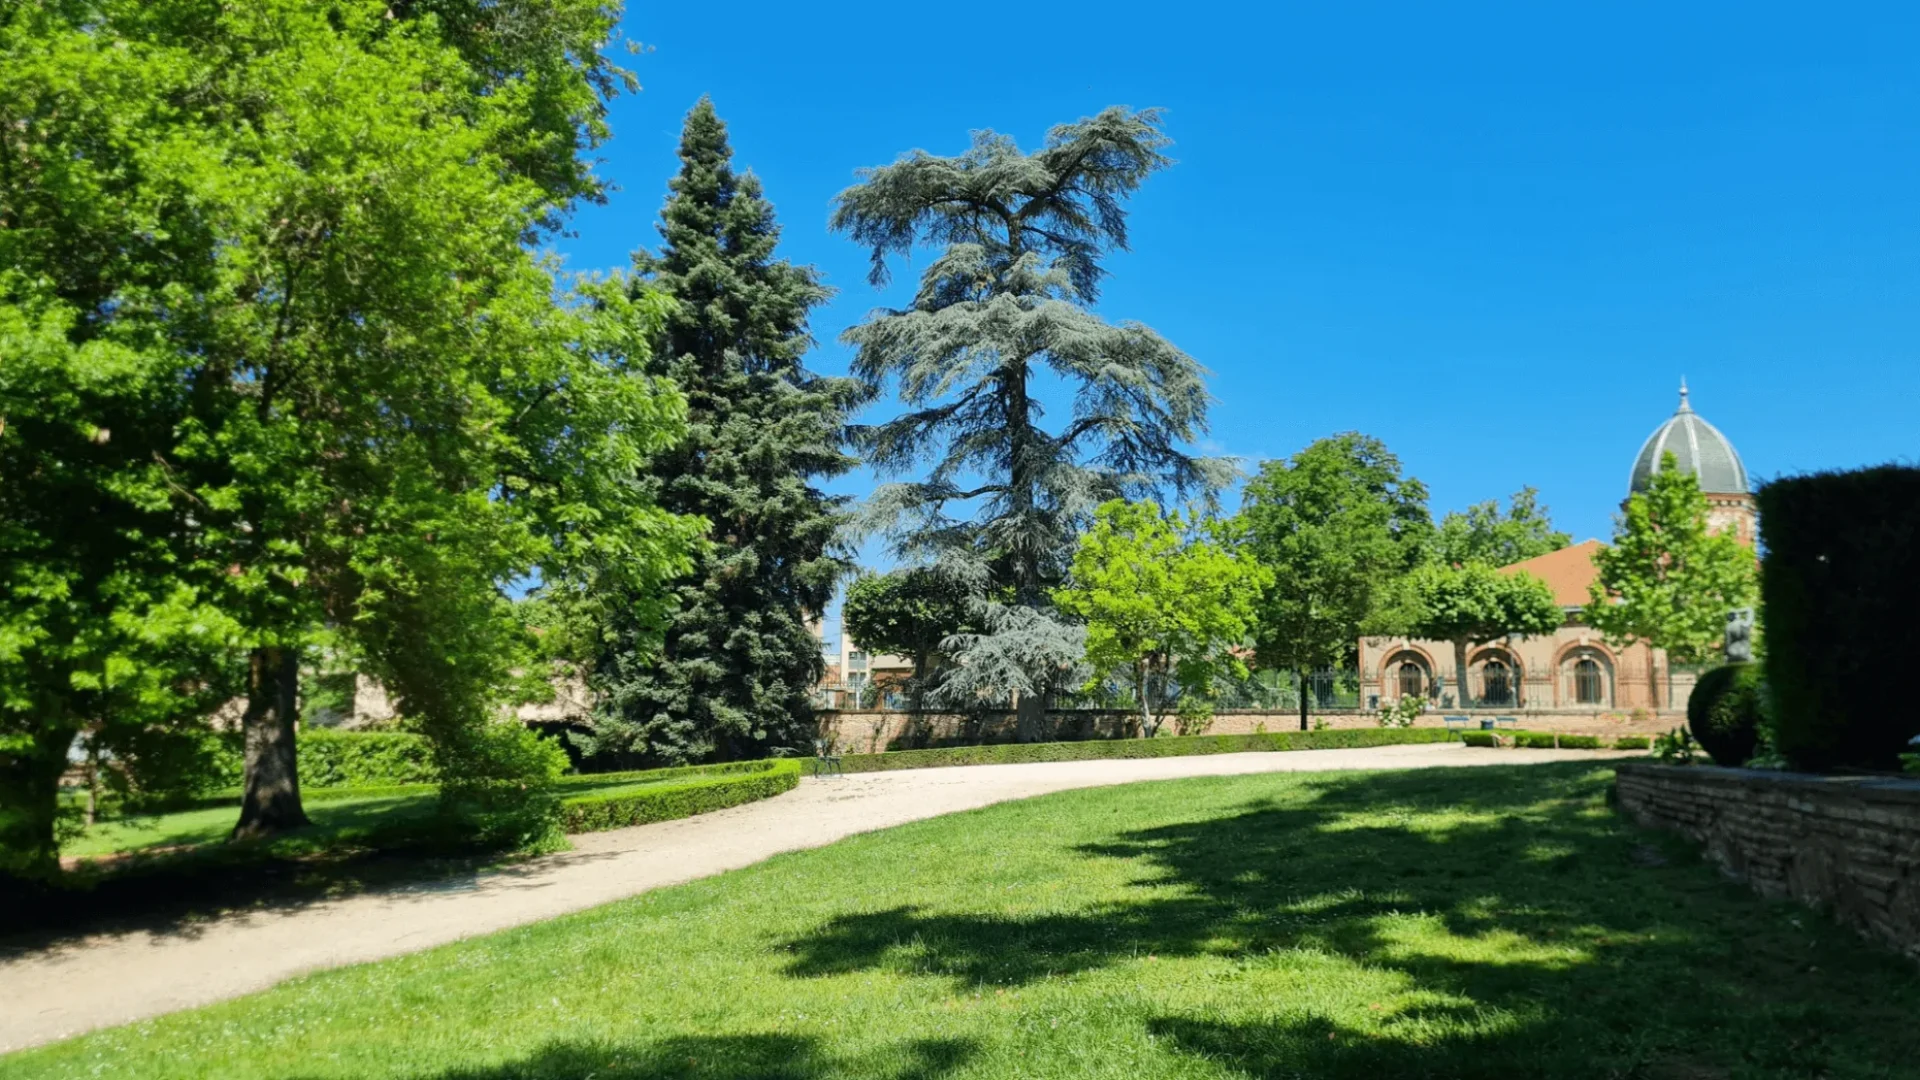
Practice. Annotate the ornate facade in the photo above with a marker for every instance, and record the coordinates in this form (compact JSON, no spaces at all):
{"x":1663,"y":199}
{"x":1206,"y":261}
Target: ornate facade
{"x":1576,"y":668}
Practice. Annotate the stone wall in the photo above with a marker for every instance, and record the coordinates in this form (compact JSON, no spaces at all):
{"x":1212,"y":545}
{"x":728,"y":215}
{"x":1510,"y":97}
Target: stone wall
{"x":1847,"y":845}
{"x":868,"y":732}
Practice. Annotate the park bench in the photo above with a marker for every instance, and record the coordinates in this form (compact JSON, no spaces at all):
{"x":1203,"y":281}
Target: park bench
{"x":1458,"y":723}
{"x":824,"y":761}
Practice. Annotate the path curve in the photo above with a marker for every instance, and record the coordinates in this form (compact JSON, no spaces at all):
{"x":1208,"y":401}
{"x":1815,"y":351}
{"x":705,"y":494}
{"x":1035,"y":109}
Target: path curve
{"x":109,"y":979}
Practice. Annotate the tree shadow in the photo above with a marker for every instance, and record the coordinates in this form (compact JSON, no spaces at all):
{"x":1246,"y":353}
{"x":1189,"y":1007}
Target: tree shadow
{"x":1537,"y":932}
{"x":732,"y":1057}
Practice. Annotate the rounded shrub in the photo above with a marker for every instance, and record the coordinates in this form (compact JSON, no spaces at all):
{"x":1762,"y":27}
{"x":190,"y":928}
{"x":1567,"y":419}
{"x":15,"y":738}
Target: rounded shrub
{"x":1726,"y":710}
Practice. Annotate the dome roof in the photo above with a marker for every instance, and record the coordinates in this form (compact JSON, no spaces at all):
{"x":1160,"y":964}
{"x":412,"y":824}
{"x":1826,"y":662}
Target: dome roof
{"x":1700,"y":449}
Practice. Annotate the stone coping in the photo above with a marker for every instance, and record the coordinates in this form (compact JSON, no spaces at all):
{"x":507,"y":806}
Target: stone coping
{"x":1867,"y":787}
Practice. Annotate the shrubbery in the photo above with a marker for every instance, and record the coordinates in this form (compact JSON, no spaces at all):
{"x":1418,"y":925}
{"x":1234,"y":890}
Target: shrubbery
{"x":1534,"y":740}
{"x":1174,"y":746}
{"x":715,"y":790}
{"x":1480,"y":738}
{"x":1841,"y":584}
{"x":1726,"y":710}
{"x":1632,"y":742}
{"x":1579,"y":742}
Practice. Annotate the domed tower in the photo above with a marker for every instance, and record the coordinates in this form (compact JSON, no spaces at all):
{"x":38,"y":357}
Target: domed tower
{"x":1701,"y":450}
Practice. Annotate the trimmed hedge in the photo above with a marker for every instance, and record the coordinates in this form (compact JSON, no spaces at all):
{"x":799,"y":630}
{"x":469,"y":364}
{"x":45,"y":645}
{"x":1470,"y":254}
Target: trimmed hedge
{"x":1632,"y":742}
{"x":1165,"y":746}
{"x":364,"y":759}
{"x":1725,"y":712}
{"x":1480,"y":738}
{"x":1579,"y":742}
{"x":746,"y":782}
{"x":1534,"y":740}
{"x":1841,"y":585}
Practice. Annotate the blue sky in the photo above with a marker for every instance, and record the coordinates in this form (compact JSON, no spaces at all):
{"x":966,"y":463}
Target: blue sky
{"x":1495,"y":236}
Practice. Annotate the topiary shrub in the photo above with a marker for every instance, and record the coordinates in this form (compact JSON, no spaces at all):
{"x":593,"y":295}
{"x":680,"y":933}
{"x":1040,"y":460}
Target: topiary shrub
{"x":1579,"y":742}
{"x":1726,"y":710}
{"x":1632,"y":742}
{"x":667,"y":801}
{"x":1841,"y":584}
{"x":1479,"y":738}
{"x":1534,"y":740}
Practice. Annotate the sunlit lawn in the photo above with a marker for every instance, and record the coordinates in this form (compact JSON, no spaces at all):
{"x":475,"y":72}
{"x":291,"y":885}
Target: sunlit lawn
{"x":1484,"y":922}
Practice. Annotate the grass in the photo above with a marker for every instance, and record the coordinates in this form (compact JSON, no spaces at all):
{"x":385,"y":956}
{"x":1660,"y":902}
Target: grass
{"x":1492,"y":922}
{"x":338,"y":817}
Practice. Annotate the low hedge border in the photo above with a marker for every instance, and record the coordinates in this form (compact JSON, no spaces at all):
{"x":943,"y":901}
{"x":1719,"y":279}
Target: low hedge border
{"x":1166,"y":746}
{"x":732,"y":785}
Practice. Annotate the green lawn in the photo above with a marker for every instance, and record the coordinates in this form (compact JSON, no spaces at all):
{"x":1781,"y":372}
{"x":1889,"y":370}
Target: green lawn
{"x":1496,"y":922}
{"x":334,"y":819}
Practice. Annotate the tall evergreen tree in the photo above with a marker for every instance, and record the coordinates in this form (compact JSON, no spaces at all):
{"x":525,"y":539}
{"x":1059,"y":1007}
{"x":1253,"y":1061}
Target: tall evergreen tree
{"x":734,"y":676}
{"x":1000,"y":313}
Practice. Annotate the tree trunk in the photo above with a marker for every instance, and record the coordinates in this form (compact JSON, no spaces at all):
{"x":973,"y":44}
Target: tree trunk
{"x":1300,"y":680}
{"x":1460,"y":673}
{"x":1147,"y":726}
{"x":270,"y":802}
{"x":29,"y":803}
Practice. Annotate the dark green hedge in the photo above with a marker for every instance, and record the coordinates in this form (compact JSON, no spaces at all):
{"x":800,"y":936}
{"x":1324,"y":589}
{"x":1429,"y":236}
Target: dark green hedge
{"x":1724,"y":712}
{"x":748,"y":782}
{"x":1841,"y":586}
{"x":1168,"y":746}
{"x":1534,"y":740}
{"x":1579,"y":742}
{"x":364,"y":759}
{"x":1632,"y":742}
{"x":1480,"y":738}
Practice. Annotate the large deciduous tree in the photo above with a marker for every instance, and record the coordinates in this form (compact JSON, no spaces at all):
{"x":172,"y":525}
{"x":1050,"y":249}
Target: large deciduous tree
{"x":1668,"y":579}
{"x":1000,"y":313}
{"x":1474,"y":604}
{"x":1168,"y":602}
{"x":1482,"y":534}
{"x":1337,"y":525}
{"x":735,"y":673}
{"x":346,"y":391}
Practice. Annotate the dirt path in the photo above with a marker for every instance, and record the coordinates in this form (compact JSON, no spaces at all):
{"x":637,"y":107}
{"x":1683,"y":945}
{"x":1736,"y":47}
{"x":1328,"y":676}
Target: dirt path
{"x":113,"y":979}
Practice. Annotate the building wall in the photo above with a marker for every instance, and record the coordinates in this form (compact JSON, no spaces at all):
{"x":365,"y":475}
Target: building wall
{"x":1544,"y":672}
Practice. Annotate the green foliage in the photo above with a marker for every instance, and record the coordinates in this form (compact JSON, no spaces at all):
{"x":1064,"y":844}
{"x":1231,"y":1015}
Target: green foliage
{"x":1164,"y":746}
{"x":1474,"y":604}
{"x":1002,"y":311}
{"x":1337,"y":525}
{"x":364,"y":759}
{"x":1666,"y":579}
{"x":1579,"y":742}
{"x":910,"y":613}
{"x":731,"y":671}
{"x":1484,"y":535}
{"x":1167,"y":601}
{"x":278,"y":229}
{"x":1632,"y":742}
{"x":1403,"y":712}
{"x":1842,"y":586}
{"x":1727,"y":710}
{"x":1535,"y":740}
{"x":1676,"y":747}
{"x":667,"y":801}
{"x":1485,"y":739}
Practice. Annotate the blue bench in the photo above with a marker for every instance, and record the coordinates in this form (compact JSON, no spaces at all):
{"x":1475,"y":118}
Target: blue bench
{"x":1458,"y":723}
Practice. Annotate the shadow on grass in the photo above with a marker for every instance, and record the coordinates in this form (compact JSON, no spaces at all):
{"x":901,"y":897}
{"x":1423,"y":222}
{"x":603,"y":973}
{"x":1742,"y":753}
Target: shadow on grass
{"x":1537,"y":933}
{"x":732,"y":1057}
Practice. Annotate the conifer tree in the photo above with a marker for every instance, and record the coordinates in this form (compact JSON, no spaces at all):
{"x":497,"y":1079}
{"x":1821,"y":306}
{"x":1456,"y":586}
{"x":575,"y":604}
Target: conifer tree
{"x":1001,"y":312}
{"x":734,"y":675}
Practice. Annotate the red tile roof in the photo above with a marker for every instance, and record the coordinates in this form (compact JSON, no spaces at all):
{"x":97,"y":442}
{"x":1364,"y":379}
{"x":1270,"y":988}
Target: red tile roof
{"x":1569,"y":572}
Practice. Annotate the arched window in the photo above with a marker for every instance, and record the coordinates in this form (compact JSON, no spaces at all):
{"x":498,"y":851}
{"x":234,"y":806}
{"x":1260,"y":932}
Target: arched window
{"x":1496,"y":683}
{"x":1413,"y":680}
{"x":1589,"y":682}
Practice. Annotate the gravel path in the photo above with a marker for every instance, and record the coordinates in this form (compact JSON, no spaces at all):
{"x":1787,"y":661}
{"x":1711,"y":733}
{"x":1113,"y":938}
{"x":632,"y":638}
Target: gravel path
{"x":113,"y":979}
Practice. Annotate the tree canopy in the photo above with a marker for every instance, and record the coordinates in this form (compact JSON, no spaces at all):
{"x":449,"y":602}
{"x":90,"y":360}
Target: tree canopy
{"x":1337,"y":526}
{"x":1482,"y":534}
{"x":1001,"y":310}
{"x":1475,"y":604}
{"x":1169,"y":606}
{"x":1668,"y":579}
{"x":734,"y":674}
{"x":910,"y":613}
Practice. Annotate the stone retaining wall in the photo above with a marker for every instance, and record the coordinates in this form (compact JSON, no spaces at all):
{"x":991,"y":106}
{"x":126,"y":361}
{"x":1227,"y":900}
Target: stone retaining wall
{"x":1849,"y":846}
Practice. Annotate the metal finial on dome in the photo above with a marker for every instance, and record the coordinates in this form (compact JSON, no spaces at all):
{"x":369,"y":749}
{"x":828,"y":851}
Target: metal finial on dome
{"x":1684,"y":407}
